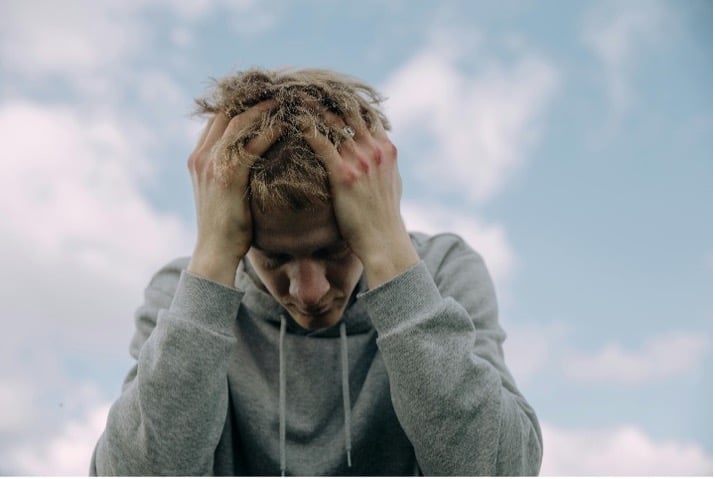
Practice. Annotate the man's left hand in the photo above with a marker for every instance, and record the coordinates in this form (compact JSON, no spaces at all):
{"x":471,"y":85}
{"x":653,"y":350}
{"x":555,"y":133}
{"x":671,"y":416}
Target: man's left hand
{"x":366,"y":189}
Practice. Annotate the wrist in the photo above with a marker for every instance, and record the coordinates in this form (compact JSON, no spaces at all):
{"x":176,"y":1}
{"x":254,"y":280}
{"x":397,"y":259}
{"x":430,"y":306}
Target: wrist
{"x":388,"y":260}
{"x":214,"y":265}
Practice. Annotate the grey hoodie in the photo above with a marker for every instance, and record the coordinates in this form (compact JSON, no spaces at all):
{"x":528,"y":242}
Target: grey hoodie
{"x":412,"y":380}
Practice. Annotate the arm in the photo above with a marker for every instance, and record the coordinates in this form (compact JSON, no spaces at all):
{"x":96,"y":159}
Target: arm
{"x":173,"y":406}
{"x":439,"y":337}
{"x":171,"y":413}
{"x":441,"y":344}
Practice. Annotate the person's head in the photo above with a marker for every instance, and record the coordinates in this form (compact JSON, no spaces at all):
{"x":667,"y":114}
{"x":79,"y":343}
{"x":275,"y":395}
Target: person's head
{"x":290,"y":175}
{"x":298,"y":251}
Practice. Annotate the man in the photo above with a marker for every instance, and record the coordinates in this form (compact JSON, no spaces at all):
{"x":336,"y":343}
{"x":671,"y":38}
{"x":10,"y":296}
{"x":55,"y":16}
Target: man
{"x":310,"y":333}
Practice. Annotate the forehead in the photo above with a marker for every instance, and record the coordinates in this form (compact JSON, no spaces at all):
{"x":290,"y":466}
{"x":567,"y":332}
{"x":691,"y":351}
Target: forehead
{"x":295,"y":231}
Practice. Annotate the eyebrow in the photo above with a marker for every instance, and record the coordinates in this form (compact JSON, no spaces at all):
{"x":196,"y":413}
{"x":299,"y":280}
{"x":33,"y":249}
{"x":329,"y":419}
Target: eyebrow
{"x":337,"y":245}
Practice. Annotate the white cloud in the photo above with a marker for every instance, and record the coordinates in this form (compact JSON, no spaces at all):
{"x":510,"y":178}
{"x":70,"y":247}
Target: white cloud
{"x":247,"y":17}
{"x":191,"y":10}
{"x":78,"y":242}
{"x":533,"y":348}
{"x":530,"y":348}
{"x":489,"y":240}
{"x":659,"y":357}
{"x":618,"y":32}
{"x":15,"y":404}
{"x":480,"y":125}
{"x":78,"y":36}
{"x":89,"y":44}
{"x":619,"y":451}
{"x":69,"y":191}
{"x":68,"y":453}
{"x":48,"y":423}
{"x":84,"y":45}
{"x":182,"y":37}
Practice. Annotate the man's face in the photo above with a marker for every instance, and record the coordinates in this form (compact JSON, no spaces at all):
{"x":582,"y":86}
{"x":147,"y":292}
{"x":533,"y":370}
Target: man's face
{"x":305,"y":264}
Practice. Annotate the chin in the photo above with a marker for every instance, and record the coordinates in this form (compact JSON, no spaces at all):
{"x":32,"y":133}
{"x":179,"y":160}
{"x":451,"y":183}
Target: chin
{"x":318,"y":322}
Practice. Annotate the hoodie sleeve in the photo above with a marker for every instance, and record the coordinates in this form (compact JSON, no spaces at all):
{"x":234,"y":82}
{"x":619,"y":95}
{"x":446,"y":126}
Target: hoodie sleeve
{"x":171,"y":413}
{"x":441,"y":343}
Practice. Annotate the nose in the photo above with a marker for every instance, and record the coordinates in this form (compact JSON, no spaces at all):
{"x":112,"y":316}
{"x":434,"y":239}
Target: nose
{"x":308,"y":283}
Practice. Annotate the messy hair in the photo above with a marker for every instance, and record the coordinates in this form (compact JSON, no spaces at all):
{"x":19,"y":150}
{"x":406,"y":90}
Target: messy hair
{"x":290,"y":175}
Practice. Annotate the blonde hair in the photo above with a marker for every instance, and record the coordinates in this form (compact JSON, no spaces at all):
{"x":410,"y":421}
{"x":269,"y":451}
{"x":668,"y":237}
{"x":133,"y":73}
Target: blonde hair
{"x":290,"y":174}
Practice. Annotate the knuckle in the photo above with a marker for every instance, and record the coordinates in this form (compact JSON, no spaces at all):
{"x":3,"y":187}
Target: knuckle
{"x":377,"y":154}
{"x":348,"y":175}
{"x":199,"y":159}
{"x":364,"y":165}
{"x":193,"y":161}
{"x":362,"y":156}
{"x":393,"y":150}
{"x":388,"y":148}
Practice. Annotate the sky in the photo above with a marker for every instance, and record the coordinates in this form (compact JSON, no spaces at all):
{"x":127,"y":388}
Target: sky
{"x":570,"y":143}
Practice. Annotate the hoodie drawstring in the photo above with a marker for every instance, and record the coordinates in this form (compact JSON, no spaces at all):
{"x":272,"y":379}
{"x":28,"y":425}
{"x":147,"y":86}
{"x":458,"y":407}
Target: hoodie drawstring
{"x":282,"y":396}
{"x":282,"y":393}
{"x":346,"y":390}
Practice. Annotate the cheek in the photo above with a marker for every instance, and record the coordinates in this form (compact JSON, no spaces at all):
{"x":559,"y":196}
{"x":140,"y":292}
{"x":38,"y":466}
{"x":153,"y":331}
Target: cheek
{"x":281,"y":283}
{"x":346,"y":276}
{"x":275,"y":281}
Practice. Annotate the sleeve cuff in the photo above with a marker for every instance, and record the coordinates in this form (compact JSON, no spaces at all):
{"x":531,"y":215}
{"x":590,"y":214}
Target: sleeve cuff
{"x":402,"y":300}
{"x":205,"y":302}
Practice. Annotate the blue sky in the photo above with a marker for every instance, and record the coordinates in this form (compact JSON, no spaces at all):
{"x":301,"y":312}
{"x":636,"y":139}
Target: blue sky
{"x":569,"y":142}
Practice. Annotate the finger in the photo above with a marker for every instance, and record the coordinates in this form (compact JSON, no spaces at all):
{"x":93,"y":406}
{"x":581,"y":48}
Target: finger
{"x":357,"y":122}
{"x":322,"y":147}
{"x":214,"y":128}
{"x":380,"y":130}
{"x":218,"y":126}
{"x":249,"y":117}
{"x":336,"y":121}
{"x":340,"y":121}
{"x":262,"y":142}
{"x":226,"y":129}
{"x":358,"y":127}
{"x":205,"y":131}
{"x":204,"y":134}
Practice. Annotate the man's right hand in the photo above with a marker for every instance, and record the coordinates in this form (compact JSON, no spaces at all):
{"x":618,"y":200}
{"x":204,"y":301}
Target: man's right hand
{"x":219,"y":173}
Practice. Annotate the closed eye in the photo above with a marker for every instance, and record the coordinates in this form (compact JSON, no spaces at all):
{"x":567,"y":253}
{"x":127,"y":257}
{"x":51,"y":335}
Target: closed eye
{"x":274,"y":260}
{"x":333,"y":253}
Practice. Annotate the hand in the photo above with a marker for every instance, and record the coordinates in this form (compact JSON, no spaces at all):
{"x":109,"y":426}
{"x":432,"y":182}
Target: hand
{"x":219,"y":173}
{"x":366,"y":190}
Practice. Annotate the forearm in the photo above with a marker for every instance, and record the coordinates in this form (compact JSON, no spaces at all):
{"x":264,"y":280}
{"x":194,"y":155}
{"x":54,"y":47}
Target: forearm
{"x":211,"y":261}
{"x":172,"y":410}
{"x":389,"y":256}
{"x":451,"y":398}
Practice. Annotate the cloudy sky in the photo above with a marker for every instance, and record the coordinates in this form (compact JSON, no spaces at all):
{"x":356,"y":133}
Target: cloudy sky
{"x":569,"y":142}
